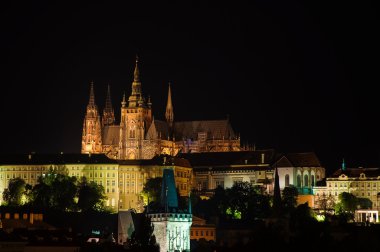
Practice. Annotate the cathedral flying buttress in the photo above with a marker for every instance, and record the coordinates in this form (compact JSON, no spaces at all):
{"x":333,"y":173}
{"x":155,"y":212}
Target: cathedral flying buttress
{"x":140,"y":136}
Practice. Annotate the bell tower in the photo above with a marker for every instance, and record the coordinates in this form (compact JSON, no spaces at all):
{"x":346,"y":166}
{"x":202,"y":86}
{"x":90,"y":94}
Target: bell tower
{"x":91,"y":137}
{"x":136,"y":117}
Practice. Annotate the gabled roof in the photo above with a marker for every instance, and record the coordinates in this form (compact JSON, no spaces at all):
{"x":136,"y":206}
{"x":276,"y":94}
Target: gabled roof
{"x":303,"y":159}
{"x":217,"y":129}
{"x":229,"y":158}
{"x":111,"y":135}
{"x":158,"y":129}
{"x":42,"y":159}
{"x":355,"y":172}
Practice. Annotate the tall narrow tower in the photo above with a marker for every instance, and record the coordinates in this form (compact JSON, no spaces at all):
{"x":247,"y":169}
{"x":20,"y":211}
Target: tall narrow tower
{"x":171,"y":227}
{"x":91,"y":138}
{"x":108,"y":113}
{"x":169,"y":113}
{"x":135,"y":119}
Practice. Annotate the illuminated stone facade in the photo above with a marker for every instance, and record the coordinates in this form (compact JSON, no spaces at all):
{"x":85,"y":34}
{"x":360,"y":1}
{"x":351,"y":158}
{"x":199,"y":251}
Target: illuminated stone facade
{"x":139,"y":136}
{"x":123,"y":181}
{"x":361,"y":182}
{"x":302,"y":170}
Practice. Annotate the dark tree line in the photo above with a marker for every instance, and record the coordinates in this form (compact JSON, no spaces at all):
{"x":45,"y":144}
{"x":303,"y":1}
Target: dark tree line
{"x":57,"y":192}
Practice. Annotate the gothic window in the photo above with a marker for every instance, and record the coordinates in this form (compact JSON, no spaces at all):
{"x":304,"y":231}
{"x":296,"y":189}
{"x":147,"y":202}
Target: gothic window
{"x":306,"y":180}
{"x":287,"y":180}
{"x":299,"y":180}
{"x":312,"y":180}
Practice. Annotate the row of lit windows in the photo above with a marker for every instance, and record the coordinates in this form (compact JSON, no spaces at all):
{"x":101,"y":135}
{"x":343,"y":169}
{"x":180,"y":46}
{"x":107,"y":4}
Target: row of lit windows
{"x":354,"y":193}
{"x":101,"y":175}
{"x":202,"y":233}
{"x":353,"y":184}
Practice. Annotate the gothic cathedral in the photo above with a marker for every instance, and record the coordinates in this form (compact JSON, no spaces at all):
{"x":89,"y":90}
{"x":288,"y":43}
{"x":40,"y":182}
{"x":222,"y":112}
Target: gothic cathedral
{"x":140,"y":136}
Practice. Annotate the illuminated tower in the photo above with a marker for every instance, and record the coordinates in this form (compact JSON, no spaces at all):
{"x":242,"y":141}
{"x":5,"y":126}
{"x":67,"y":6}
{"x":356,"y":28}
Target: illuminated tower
{"x":169,"y":114}
{"x":171,"y":227}
{"x":136,"y":118}
{"x":108,"y":113}
{"x":91,"y":138}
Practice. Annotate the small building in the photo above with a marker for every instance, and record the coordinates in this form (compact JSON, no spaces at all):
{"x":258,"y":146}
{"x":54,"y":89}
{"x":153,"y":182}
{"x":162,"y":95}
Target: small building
{"x":200,"y":230}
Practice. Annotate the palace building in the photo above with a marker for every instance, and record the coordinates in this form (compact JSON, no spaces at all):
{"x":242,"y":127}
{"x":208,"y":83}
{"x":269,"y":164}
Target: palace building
{"x":140,"y":136}
{"x":123,"y":180}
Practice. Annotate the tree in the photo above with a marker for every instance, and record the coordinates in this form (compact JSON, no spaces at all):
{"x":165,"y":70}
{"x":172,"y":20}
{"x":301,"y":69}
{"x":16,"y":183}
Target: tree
{"x":56,"y":191}
{"x":152,"y":190}
{"x":15,"y":193}
{"x":90,"y":196}
{"x":364,"y":203}
{"x":346,"y":206}
{"x":289,"y":197}
{"x":143,"y":239}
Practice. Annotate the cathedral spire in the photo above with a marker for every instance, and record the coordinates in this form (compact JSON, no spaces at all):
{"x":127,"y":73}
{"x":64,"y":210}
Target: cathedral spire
{"x":123,"y":103}
{"x":169,"y":114}
{"x":136,"y":86}
{"x":108,"y":112}
{"x":92,"y":95}
{"x":137,"y":72}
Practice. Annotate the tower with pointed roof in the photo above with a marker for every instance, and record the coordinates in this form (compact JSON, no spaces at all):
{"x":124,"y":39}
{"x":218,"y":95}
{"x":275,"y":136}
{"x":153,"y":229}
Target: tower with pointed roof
{"x":169,"y":113}
{"x":92,"y":135}
{"x":136,"y":117}
{"x":108,"y":112}
{"x":171,"y":225}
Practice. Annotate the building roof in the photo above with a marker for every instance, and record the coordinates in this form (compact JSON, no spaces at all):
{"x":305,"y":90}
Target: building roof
{"x":43,"y":159}
{"x":158,"y":129}
{"x":303,"y":159}
{"x":355,"y":172}
{"x":111,"y":135}
{"x":217,"y":129}
{"x":207,"y":159}
{"x":164,"y":160}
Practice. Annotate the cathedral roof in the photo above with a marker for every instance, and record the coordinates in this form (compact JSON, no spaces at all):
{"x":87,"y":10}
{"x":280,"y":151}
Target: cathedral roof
{"x":229,"y":158}
{"x":41,"y":159}
{"x":355,"y":172}
{"x":111,"y":135}
{"x":304,"y":159}
{"x":217,"y":129}
{"x":158,"y":129}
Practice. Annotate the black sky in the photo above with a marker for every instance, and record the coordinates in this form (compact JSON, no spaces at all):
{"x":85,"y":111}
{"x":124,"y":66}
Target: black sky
{"x":291,"y":75}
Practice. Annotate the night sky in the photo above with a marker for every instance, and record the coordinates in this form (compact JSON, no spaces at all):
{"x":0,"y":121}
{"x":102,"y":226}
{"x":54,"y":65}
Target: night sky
{"x":291,"y":75}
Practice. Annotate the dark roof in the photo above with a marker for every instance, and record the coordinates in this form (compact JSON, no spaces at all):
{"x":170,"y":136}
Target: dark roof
{"x":217,"y":129}
{"x":355,"y":172}
{"x":164,"y":160}
{"x":34,"y":159}
{"x":110,"y":135}
{"x":304,"y":159}
{"x":229,"y":158}
{"x":161,"y":128}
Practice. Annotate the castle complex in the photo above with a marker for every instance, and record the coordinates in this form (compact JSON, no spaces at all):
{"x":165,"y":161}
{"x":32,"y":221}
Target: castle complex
{"x":140,"y":136}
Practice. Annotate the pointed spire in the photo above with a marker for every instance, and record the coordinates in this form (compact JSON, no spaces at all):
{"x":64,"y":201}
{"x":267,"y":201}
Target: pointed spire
{"x":169,"y":114}
{"x":108,"y":113}
{"x":137,"y":72}
{"x":108,"y":98}
{"x":92,"y":95}
{"x":343,"y":165}
{"x":123,"y":103}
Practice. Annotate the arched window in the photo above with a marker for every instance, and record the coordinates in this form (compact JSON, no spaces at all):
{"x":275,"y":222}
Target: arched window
{"x":306,"y":180}
{"x":312,"y":180}
{"x":299,"y":180}
{"x":287,"y":180}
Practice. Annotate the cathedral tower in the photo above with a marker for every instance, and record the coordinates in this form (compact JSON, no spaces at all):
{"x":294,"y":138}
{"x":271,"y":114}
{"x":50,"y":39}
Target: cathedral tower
{"x":136,"y":118}
{"x":108,"y":113}
{"x":91,"y":137}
